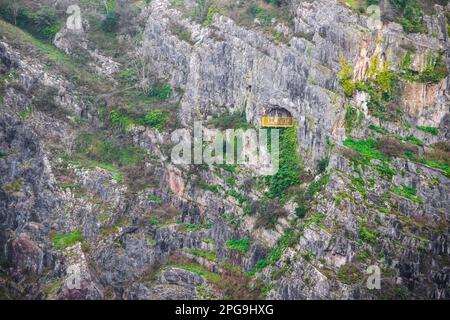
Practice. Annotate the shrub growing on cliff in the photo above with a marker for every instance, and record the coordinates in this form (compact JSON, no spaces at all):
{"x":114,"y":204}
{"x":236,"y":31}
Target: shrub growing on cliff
{"x":345,"y":76}
{"x":43,"y":24}
{"x":240,"y":246}
{"x":411,"y":15}
{"x":156,"y":119}
{"x":62,"y":241}
{"x":289,"y":165}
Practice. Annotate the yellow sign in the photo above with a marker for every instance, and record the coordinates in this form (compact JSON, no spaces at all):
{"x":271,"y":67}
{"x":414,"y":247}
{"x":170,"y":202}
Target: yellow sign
{"x":283,"y":122}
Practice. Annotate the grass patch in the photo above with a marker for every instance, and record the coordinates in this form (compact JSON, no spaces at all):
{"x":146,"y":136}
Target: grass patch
{"x":209,"y":255}
{"x":240,"y":246}
{"x":431,"y":130}
{"x":407,"y":192}
{"x":62,"y":241}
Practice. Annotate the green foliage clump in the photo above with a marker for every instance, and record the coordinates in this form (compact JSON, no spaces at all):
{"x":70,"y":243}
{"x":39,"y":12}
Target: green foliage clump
{"x":378,"y":129}
{"x":289,"y":238}
{"x":155,"y":119}
{"x":196,"y":227}
{"x":350,"y":119}
{"x":431,"y":130}
{"x":264,"y":16}
{"x":212,"y":10}
{"x":43,"y":23}
{"x":230,"y":120}
{"x":13,"y":187}
{"x":241,"y":245}
{"x":382,"y":87}
{"x":209,"y":255}
{"x":367,"y":235}
{"x":154,"y":198}
{"x":434,"y":71}
{"x":407,"y":192}
{"x":95,"y":151}
{"x":345,"y":76}
{"x":413,"y":140}
{"x":160,"y":91}
{"x":62,"y":241}
{"x":367,"y":148}
{"x":349,"y":274}
{"x":411,"y":15}
{"x":289,"y":165}
{"x":119,"y":120}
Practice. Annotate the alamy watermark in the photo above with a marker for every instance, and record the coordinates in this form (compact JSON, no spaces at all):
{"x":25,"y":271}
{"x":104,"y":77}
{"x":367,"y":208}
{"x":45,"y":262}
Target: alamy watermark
{"x":256,"y":148}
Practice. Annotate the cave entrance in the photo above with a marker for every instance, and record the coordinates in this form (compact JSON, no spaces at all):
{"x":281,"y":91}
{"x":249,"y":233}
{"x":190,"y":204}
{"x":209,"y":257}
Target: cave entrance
{"x":276,"y":117}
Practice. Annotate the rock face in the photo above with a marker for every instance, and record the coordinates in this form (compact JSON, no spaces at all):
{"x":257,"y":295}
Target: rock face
{"x":75,"y":225}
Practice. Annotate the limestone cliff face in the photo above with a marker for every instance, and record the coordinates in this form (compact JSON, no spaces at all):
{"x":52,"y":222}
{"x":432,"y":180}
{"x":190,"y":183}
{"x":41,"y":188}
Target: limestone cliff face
{"x":155,"y":230}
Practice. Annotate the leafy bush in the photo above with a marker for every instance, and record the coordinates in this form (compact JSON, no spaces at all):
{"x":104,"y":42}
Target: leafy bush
{"x":119,"y":120}
{"x":212,"y":10}
{"x":431,"y":130}
{"x":43,"y":24}
{"x":289,"y":165}
{"x":240,"y":246}
{"x":228,"y":120}
{"x":264,"y":16}
{"x":411,"y":15}
{"x":367,"y":235}
{"x":414,"y":140}
{"x":345,"y":76}
{"x":288,"y":239}
{"x":110,"y":23}
{"x":104,"y":151}
{"x":350,"y":119}
{"x":160,"y":91}
{"x":62,"y":241}
{"x":156,"y":119}
{"x":407,"y":192}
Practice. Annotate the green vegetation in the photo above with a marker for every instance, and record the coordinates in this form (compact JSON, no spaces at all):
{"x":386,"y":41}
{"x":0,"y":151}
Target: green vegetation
{"x":434,"y":71}
{"x":196,"y":227}
{"x":431,"y":130}
{"x":119,"y":120}
{"x":212,"y":10}
{"x":407,"y":192}
{"x":154,"y":198}
{"x":209,"y":255}
{"x":349,"y":274}
{"x":155,"y":119}
{"x":382,"y":87}
{"x":289,"y":239}
{"x":367,"y":148}
{"x":24,"y":114}
{"x":411,"y":15}
{"x":378,"y":129}
{"x":289,"y":165}
{"x":201,"y":271}
{"x":43,"y":24}
{"x":160,"y":91}
{"x":413,"y":140}
{"x":228,"y":120}
{"x":240,"y":246}
{"x":345,"y":76}
{"x":264,"y":16}
{"x":95,"y":151}
{"x":367,"y":235}
{"x":182,"y":33}
{"x":13,"y":187}
{"x":62,"y":241}
{"x":154,"y":221}
{"x":367,"y":151}
{"x":350,"y":119}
